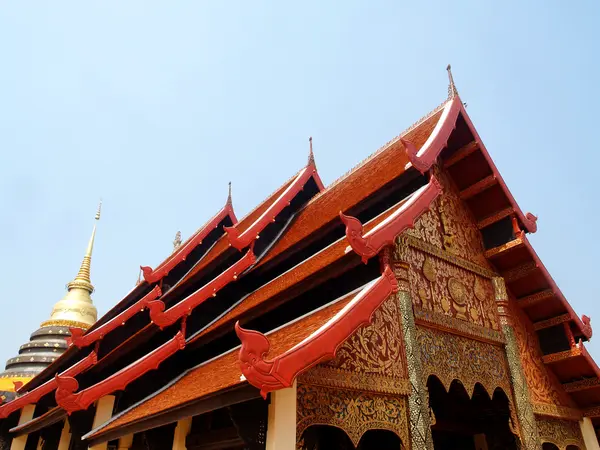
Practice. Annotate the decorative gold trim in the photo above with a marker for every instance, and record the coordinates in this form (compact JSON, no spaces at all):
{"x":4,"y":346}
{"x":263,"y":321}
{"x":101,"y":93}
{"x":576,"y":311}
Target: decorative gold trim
{"x":592,"y":412}
{"x":503,"y":248}
{"x":560,"y":432}
{"x":561,"y":412}
{"x":519,"y":272}
{"x":551,"y":322}
{"x":534,"y":299}
{"x":560,"y":356}
{"x":581,"y":385}
{"x":65,"y":323}
{"x":452,"y":325}
{"x":345,"y":379}
{"x":495,"y":217}
{"x":448,"y":257}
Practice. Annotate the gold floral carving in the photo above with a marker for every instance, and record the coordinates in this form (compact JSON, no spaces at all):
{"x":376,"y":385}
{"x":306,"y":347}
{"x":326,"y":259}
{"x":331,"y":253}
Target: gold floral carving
{"x":452,"y":293}
{"x":561,"y":433}
{"x":451,"y":325}
{"x":450,"y":357}
{"x":450,"y":226}
{"x":560,"y":412}
{"x":375,"y":349}
{"x":338,"y":378}
{"x":544,"y":388}
{"x":429,"y":270}
{"x":353,"y":411}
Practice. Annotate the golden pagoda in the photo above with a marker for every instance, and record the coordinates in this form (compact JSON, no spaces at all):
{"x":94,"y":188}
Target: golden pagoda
{"x":46,"y":344}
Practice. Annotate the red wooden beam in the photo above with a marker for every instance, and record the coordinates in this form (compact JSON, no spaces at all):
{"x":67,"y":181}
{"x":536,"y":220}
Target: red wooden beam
{"x":79,"y":339}
{"x":154,"y":275}
{"x":280,"y":372}
{"x":36,"y":394}
{"x":163,"y":318}
{"x":70,"y":401}
{"x":385,"y":233}
{"x":242,"y":240}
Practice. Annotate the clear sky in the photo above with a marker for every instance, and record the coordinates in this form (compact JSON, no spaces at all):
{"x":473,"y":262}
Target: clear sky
{"x":155,"y":106}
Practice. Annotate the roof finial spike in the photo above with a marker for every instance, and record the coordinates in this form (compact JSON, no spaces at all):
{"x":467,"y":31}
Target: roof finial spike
{"x":177,"y":241}
{"x":452,"y":91}
{"x":99,"y":210}
{"x":311,"y":155}
{"x":229,"y":201}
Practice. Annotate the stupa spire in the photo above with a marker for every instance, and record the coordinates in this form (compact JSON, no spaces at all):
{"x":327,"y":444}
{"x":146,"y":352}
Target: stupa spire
{"x":82,"y":280}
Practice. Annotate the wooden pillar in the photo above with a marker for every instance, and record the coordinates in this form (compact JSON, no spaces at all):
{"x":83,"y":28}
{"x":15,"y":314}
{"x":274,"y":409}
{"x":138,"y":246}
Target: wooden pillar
{"x":104,"y":410}
{"x":589,"y":434}
{"x":530,"y":437}
{"x":125,"y":442}
{"x":19,"y":442}
{"x":281,"y":427}
{"x":418,"y":403}
{"x":65,"y":436}
{"x":181,"y":431}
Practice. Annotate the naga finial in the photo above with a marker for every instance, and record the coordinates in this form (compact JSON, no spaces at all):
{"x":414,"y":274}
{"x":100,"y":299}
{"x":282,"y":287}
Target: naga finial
{"x":452,"y":91}
{"x":177,"y":241}
{"x":311,"y":156}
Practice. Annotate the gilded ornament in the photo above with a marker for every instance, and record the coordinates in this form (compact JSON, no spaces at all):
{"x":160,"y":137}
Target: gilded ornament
{"x":479,"y":289}
{"x":353,"y":411}
{"x":561,"y":433}
{"x":429,"y":270}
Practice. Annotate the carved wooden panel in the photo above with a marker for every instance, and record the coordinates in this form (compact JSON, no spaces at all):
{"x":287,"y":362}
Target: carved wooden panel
{"x":354,"y":412}
{"x":376,"y":349}
{"x":440,"y":286}
{"x":544,"y":388}
{"x":450,"y":357}
{"x":449,"y":225}
{"x":561,"y":433}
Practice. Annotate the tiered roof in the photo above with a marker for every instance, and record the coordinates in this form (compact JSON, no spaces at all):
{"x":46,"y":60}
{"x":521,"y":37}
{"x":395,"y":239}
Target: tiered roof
{"x":288,"y":279}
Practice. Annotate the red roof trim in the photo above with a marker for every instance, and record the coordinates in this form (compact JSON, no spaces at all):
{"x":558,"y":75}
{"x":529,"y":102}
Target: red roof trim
{"x":242,"y":240}
{"x":81,"y":340}
{"x":385,"y":233}
{"x":70,"y":401}
{"x":425,"y":157}
{"x":154,"y":275}
{"x":36,"y":394}
{"x":163,"y":318}
{"x":584,"y":325}
{"x":528,"y":220}
{"x":280,"y":372}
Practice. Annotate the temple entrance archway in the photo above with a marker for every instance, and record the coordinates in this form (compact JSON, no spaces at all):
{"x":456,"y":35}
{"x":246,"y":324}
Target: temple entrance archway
{"x":380,"y":440}
{"x":327,"y":437}
{"x":469,"y":422}
{"x":551,"y":446}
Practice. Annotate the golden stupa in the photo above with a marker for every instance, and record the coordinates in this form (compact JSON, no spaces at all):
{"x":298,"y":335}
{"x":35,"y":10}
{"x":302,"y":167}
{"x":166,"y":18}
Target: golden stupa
{"x":46,"y":344}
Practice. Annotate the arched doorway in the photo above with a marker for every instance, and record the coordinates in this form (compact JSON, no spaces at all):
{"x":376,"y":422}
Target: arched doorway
{"x":549,"y":446}
{"x":380,"y":440}
{"x":475,"y":422}
{"x":325,"y":437}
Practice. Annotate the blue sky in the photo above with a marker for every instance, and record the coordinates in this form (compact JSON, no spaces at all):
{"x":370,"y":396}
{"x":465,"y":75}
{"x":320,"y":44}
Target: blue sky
{"x":155,"y":106}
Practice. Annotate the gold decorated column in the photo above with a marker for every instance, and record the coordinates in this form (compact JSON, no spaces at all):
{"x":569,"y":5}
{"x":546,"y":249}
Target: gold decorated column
{"x":418,"y":403}
{"x":529,"y":433}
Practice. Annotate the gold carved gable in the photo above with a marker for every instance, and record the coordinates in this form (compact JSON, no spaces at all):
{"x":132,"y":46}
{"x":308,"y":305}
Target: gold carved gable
{"x":376,"y":349}
{"x":450,"y":357}
{"x":561,"y":433}
{"x":544,"y":388}
{"x":442,"y":287}
{"x":354,"y":412}
{"x":449,"y":225}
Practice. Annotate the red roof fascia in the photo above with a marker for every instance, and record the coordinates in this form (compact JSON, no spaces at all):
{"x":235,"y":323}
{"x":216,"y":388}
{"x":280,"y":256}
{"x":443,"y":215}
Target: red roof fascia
{"x":163,"y":318}
{"x":154,"y":275}
{"x":280,"y":372}
{"x":241,"y":240}
{"x":81,"y":340}
{"x":70,"y":401}
{"x":371,"y":243}
{"x":584,"y":325}
{"x":528,"y":220}
{"x":36,"y":394}
{"x":425,"y":157}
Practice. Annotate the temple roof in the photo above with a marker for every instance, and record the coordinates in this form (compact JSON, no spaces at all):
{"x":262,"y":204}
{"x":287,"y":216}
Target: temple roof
{"x":273,"y":275}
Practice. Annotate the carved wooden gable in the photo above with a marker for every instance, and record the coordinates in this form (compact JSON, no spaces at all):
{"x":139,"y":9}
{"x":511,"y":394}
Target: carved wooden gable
{"x":449,"y":272}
